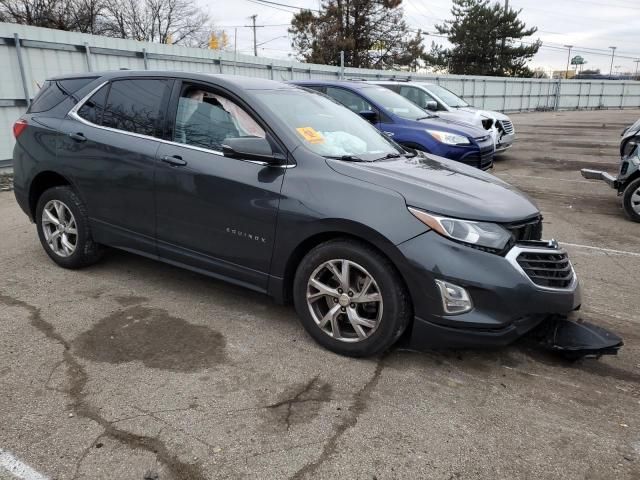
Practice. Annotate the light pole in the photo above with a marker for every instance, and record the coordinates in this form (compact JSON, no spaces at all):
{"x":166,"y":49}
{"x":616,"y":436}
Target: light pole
{"x":637,"y":60}
{"x":613,"y":53}
{"x":566,"y":72}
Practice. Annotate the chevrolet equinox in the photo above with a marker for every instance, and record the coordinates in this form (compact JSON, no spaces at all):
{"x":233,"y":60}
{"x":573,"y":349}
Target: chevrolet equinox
{"x":284,"y":191}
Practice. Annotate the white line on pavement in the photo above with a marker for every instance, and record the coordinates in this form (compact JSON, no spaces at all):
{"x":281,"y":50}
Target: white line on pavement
{"x":608,"y":250}
{"x":18,"y":469}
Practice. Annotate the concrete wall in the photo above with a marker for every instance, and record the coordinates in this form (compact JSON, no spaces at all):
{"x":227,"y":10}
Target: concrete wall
{"x":45,"y":53}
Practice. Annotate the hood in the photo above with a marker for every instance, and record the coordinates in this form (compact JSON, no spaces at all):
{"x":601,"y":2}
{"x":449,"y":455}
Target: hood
{"x":483,"y":113}
{"x":444,"y":187}
{"x":464,"y":116}
{"x":450,"y":125}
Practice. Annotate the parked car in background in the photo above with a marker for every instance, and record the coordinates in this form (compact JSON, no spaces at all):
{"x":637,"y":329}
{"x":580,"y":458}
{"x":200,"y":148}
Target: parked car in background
{"x":284,"y":191}
{"x":627,"y":182}
{"x":447,"y":105}
{"x":410,"y":125}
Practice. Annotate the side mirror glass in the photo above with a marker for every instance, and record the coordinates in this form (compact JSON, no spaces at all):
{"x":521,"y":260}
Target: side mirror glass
{"x":369,"y":115}
{"x":431,"y":105}
{"x":252,"y":148}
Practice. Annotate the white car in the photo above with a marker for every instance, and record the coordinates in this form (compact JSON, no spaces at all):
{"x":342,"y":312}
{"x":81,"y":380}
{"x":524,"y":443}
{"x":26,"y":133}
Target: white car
{"x":449,"y":106}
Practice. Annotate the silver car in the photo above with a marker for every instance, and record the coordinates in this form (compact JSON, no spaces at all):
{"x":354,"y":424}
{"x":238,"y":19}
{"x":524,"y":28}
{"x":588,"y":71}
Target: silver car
{"x":449,"y":106}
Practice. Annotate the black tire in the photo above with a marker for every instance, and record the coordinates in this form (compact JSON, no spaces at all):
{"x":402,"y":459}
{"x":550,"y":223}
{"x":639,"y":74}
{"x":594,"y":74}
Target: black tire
{"x":86,"y":252}
{"x":628,"y":200}
{"x":396,"y":311}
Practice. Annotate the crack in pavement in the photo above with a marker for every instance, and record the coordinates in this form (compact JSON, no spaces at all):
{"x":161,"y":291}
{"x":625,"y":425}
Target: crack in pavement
{"x":78,"y":376}
{"x":359,"y":405}
{"x":297,"y":398}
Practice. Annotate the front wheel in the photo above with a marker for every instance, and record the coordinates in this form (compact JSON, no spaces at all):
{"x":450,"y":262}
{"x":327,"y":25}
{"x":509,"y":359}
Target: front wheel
{"x":631,"y":200}
{"x":350,"y":298}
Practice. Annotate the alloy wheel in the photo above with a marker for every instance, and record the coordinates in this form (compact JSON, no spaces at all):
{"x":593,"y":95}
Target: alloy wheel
{"x":344,"y":300}
{"x":635,"y":201}
{"x":59,"y":228}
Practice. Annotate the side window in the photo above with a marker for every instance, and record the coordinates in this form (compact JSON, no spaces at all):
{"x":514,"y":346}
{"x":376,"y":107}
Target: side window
{"x":93,"y":108}
{"x":352,"y":101}
{"x":136,"y":105}
{"x":205,"y":119}
{"x":416,"y":95}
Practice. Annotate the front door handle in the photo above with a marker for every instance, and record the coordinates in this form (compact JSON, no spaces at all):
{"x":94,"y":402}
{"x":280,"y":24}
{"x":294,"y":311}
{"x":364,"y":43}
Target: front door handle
{"x":174,"y":160}
{"x":78,"y":137}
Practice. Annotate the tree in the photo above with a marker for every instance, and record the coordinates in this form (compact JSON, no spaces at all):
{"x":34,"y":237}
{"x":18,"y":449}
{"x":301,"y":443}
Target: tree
{"x":372,"y":34}
{"x":72,"y":15}
{"x":485,"y":41}
{"x":162,"y":21}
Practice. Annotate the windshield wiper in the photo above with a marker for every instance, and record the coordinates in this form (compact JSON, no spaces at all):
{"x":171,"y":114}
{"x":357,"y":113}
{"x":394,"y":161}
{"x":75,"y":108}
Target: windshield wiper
{"x":345,"y":158}
{"x":388,"y":156}
{"x":427,"y":117}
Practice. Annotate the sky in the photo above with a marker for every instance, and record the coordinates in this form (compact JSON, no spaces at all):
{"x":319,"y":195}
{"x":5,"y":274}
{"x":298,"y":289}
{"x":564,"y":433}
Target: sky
{"x":591,"y":26}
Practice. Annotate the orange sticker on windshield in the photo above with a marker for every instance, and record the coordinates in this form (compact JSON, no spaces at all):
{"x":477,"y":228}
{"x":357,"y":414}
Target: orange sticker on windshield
{"x":310,"y":135}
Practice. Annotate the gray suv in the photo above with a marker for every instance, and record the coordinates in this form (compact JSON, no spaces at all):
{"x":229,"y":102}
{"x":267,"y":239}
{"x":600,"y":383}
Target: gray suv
{"x":286,"y":192}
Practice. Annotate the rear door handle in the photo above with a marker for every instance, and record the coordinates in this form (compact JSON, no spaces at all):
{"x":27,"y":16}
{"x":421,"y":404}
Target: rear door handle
{"x":78,"y":137}
{"x":174,"y":160}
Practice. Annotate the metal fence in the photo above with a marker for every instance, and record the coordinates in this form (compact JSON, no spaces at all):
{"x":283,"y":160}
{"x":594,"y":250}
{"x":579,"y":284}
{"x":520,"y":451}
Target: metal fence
{"x":30,"y":55}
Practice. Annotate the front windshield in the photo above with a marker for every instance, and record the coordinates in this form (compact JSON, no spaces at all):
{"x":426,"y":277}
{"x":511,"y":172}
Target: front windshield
{"x":447,"y":96}
{"x":395,"y":103}
{"x":327,"y":128}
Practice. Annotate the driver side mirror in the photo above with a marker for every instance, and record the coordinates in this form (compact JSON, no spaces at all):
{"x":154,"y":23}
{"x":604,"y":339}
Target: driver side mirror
{"x":369,"y":115}
{"x":256,"y":149}
{"x":431,"y":105}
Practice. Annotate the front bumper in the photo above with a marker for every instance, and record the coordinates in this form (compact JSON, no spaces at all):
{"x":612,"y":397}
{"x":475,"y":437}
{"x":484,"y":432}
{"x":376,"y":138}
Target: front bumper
{"x":600,"y":175}
{"x":505,"y":142}
{"x":507,"y":304}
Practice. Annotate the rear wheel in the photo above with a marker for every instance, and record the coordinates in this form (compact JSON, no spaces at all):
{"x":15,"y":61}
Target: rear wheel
{"x":350,"y":298}
{"x":631,"y":200}
{"x":63,"y":229}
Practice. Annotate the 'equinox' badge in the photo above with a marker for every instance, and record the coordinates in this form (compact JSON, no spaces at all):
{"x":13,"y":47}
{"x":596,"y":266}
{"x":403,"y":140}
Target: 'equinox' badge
{"x":249,"y":236}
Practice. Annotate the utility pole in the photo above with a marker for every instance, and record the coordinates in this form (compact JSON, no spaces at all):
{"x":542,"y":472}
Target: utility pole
{"x":566,"y":72}
{"x":255,"y":44}
{"x":637,"y":60}
{"x":235,"y":51}
{"x":613,"y":53}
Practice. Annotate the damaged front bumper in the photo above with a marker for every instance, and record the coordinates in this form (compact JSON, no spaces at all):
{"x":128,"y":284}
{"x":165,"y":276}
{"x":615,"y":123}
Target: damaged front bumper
{"x":531,"y":291}
{"x":609,"y":179}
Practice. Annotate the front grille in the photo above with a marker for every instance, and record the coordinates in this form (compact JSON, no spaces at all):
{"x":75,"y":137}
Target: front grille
{"x":552,"y":270}
{"x":507,"y":126}
{"x":527,"y":230}
{"x":483,"y":161}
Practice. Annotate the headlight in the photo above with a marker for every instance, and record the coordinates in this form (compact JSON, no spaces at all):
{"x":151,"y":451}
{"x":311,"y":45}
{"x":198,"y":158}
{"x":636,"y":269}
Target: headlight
{"x":481,"y":234}
{"x":449,"y":138}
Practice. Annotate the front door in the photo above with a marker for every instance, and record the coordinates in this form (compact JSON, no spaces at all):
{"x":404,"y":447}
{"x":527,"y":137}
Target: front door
{"x":213,"y":212}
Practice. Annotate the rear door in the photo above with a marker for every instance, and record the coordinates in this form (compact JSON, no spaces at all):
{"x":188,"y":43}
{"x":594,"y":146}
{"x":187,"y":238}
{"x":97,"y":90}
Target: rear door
{"x":110,"y":146}
{"x":213,"y":212}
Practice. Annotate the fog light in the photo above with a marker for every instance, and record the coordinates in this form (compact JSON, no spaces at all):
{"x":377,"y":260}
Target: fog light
{"x":455,"y":299}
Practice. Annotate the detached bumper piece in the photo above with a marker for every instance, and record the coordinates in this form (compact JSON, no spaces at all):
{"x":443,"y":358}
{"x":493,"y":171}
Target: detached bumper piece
{"x":600,"y":175}
{"x":575,"y":339}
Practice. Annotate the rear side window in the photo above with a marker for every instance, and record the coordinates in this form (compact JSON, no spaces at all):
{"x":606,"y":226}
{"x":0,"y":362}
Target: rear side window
{"x":94,"y":107}
{"x":55,"y":91}
{"x":352,"y":101}
{"x":136,"y":105}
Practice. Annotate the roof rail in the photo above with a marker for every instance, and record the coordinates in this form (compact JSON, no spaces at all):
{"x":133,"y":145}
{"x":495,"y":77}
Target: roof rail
{"x":401,"y":79}
{"x":357,"y":79}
